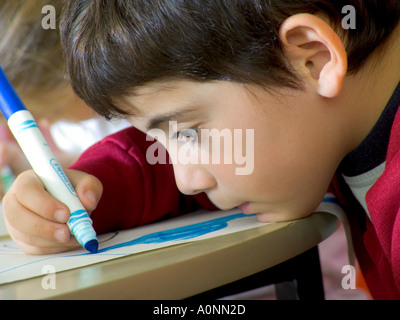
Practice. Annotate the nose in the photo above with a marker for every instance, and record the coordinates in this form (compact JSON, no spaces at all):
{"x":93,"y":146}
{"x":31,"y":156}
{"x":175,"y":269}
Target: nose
{"x":193,"y":178}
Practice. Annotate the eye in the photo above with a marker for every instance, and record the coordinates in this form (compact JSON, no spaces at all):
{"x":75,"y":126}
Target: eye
{"x":191,"y":135}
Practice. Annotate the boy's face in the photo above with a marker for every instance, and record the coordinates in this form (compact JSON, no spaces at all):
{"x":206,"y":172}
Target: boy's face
{"x":294,"y":148}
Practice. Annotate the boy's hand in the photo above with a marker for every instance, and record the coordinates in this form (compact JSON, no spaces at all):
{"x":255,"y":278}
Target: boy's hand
{"x":37,"y":221}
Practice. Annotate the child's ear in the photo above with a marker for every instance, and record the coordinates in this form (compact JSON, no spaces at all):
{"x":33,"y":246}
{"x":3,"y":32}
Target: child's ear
{"x":315,"y":50}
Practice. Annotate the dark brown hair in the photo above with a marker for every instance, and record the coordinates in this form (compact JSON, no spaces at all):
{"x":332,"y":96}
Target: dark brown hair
{"x":115,"y":46}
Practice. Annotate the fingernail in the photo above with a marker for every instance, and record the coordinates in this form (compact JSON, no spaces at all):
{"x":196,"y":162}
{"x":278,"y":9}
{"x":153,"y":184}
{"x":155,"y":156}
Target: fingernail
{"x":61,"y":235}
{"x":61,"y":215}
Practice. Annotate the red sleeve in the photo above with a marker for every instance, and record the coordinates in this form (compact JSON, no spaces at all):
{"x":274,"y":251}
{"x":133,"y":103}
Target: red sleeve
{"x":135,"y":192}
{"x":383,"y":240}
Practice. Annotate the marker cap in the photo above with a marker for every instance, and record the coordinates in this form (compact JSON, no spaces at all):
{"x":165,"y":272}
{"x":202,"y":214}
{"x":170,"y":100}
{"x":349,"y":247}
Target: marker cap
{"x":9,"y":100}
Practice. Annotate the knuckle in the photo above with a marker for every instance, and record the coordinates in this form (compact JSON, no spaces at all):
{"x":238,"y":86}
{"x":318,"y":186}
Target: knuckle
{"x":89,"y":182}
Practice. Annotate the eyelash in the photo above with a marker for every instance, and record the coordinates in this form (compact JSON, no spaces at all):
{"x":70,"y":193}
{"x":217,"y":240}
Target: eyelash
{"x":193,"y":134}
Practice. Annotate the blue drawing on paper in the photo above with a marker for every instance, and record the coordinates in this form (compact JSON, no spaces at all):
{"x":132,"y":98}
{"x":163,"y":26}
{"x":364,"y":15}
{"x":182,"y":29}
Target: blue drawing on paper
{"x":182,"y":233}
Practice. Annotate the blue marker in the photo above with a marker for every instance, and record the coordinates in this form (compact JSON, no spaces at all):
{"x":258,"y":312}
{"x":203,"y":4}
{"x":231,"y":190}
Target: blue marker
{"x":45,"y":164}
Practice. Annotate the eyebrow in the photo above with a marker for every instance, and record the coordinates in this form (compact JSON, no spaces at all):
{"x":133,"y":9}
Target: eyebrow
{"x":182,"y":115}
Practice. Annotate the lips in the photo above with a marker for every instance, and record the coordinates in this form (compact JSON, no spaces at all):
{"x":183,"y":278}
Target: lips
{"x":245,"y":208}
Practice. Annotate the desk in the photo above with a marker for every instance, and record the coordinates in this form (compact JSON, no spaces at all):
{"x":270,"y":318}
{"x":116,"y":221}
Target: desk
{"x":184,"y":270}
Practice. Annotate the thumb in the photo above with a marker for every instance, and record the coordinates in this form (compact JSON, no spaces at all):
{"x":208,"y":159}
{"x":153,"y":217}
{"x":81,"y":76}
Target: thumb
{"x":88,"y":188}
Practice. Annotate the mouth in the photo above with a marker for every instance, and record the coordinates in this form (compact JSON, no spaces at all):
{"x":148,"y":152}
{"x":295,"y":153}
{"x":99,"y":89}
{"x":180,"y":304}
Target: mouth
{"x":245,"y":208}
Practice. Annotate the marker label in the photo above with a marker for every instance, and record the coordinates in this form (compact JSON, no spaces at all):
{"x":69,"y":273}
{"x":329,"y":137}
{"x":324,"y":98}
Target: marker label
{"x":59,"y":170}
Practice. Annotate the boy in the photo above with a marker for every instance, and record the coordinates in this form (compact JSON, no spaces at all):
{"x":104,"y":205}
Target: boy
{"x":322,"y":101}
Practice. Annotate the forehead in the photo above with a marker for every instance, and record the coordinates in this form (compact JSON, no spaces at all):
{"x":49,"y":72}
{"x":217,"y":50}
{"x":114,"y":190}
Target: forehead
{"x":158,"y":102}
{"x":172,"y":90}
{"x":155,"y":95}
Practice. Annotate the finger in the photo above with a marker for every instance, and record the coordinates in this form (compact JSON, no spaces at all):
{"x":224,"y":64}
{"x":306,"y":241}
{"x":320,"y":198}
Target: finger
{"x":32,"y":224}
{"x":33,"y":250}
{"x":35,"y":246}
{"x":88,"y":188}
{"x":31,"y":194}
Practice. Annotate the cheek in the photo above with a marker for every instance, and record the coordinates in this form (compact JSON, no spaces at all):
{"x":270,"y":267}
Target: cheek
{"x":225,"y":174}
{"x":291,"y":174}
{"x":288,"y":172}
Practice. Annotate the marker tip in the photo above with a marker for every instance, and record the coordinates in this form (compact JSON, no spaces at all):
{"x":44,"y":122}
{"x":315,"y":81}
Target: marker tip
{"x":92,"y":246}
